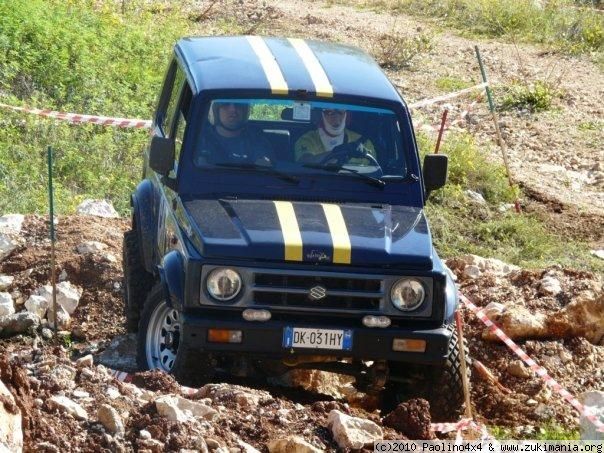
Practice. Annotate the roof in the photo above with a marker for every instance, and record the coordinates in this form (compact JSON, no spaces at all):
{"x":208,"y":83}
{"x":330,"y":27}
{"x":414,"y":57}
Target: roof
{"x":283,"y":66}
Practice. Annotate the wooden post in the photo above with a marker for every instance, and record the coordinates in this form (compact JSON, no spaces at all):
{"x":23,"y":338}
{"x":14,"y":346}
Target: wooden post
{"x":502,"y":145}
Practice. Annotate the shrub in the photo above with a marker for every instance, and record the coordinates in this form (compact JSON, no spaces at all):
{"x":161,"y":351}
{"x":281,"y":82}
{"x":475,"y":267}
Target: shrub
{"x":534,"y":97}
{"x":396,"y":50}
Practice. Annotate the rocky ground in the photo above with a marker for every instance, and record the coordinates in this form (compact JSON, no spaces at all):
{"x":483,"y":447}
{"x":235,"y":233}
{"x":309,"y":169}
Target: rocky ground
{"x":69,"y":400}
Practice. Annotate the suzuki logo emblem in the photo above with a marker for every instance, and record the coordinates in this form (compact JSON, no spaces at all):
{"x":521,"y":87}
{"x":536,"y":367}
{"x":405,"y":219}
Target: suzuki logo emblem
{"x":317,"y":292}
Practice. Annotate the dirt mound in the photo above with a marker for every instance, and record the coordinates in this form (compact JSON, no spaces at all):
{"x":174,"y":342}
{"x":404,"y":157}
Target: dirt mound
{"x":41,"y":371}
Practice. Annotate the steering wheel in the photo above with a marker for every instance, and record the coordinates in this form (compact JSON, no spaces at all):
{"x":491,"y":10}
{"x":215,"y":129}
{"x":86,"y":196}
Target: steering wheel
{"x":347,"y":151}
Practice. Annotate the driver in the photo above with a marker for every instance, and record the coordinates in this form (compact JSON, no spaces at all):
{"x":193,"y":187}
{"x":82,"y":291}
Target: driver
{"x":331,"y":132}
{"x":230,"y":140}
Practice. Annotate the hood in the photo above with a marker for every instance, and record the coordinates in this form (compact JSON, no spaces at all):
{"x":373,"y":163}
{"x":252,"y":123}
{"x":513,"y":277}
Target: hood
{"x":347,"y":234}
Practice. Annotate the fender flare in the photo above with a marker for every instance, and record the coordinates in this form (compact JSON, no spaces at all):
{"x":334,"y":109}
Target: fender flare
{"x":451,"y":298}
{"x":171,"y":274}
{"x":145,"y":222}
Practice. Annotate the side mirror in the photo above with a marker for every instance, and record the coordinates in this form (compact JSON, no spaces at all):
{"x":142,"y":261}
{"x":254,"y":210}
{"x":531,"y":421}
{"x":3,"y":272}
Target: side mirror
{"x":161,"y":155}
{"x":435,"y":172}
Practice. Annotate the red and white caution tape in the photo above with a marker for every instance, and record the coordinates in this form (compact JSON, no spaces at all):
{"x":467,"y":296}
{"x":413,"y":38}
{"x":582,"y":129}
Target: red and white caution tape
{"x":537,"y":369}
{"x":460,"y":426}
{"x":77,"y":118}
{"x":446,"y":97}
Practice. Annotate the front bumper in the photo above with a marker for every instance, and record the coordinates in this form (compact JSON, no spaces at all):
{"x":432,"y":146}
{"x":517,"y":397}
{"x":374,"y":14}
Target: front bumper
{"x":264,"y":339}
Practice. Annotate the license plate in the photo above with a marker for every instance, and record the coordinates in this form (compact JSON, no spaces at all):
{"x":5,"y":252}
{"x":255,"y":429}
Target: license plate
{"x":300,"y":337}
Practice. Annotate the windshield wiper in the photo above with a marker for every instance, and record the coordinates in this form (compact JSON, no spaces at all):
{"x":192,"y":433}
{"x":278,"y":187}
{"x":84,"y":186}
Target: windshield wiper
{"x":266,"y":169}
{"x":335,"y":168}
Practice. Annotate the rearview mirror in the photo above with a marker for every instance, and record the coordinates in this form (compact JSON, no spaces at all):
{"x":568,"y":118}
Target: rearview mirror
{"x":161,"y":155}
{"x":435,"y":172}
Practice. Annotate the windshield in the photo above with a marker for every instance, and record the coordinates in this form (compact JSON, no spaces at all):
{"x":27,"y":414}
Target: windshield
{"x":290,"y":137}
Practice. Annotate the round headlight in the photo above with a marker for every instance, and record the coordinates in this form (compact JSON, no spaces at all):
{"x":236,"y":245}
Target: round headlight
{"x":223,"y":284}
{"x":407,"y":294}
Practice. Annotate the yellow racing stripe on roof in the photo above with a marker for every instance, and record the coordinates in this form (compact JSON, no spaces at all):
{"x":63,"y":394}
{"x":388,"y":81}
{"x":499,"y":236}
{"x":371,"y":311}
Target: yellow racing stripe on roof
{"x":317,"y":73}
{"x":269,"y":64}
{"x":292,"y":237}
{"x":339,"y":233}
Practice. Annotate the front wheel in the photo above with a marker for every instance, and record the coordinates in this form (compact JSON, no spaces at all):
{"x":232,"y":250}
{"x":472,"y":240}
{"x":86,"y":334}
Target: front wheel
{"x":161,"y":344}
{"x":441,"y":385}
{"x":159,"y":333}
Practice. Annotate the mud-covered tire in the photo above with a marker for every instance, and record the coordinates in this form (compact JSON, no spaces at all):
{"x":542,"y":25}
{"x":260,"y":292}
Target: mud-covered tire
{"x":441,"y":385}
{"x":446,"y":381}
{"x":137,"y":281}
{"x":160,"y":343}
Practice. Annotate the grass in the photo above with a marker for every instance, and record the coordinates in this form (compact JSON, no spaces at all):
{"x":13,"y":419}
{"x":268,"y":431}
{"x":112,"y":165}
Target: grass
{"x":396,"y":50}
{"x":448,"y":84}
{"x":558,"y":22}
{"x":532,"y":97}
{"x":549,"y":431}
{"x":460,"y":226}
{"x":79,"y":56}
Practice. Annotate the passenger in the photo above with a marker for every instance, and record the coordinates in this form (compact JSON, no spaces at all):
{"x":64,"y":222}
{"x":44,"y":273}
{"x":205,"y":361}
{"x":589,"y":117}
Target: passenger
{"x":315,"y":145}
{"x":230,"y":140}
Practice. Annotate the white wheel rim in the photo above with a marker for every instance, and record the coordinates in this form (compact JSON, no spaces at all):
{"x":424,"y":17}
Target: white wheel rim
{"x":163,"y":338}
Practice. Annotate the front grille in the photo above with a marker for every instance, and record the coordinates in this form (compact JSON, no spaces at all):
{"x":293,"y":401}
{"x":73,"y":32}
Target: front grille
{"x":341,"y":293}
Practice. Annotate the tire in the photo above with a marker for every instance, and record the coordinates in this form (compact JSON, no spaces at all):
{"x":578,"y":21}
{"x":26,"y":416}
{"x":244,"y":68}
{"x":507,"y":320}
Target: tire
{"x":160,"y":343}
{"x":137,"y":281}
{"x":447,"y":400}
{"x":441,"y":385}
{"x":159,"y":333}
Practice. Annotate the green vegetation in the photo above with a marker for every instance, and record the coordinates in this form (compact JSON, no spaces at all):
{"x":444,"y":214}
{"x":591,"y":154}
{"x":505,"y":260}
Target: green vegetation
{"x":561,"y":23}
{"x":94,"y":57}
{"x":534,"y":97}
{"x":462,"y":226}
{"x":550,"y":431}
{"x":397,"y":50}
{"x":80,"y":56}
{"x":448,"y":84}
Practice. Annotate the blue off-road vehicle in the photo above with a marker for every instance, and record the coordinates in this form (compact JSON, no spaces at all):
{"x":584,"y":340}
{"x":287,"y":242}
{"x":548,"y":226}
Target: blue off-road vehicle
{"x":280,"y":224}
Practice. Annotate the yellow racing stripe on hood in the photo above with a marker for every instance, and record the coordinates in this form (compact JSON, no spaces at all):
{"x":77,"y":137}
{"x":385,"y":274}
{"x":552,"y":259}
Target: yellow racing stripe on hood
{"x":317,"y":73}
{"x":292,"y":237}
{"x":269,"y":65}
{"x":339,"y":233}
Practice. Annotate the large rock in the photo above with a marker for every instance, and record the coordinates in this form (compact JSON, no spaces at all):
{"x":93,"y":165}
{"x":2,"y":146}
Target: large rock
{"x":110,"y":419}
{"x":227,"y":394}
{"x":37,"y":304}
{"x":11,"y":223}
{"x":550,"y":285}
{"x":518,"y":322}
{"x":18,"y":323}
{"x":68,"y":296}
{"x":61,"y":319}
{"x":7,"y":245}
{"x":583,"y":317}
{"x":98,"y":208}
{"x":6,"y":281}
{"x":352,"y":432}
{"x":488,"y":265}
{"x":332,"y":384}
{"x":594,"y":402}
{"x":90,"y":247}
{"x":68,"y":406}
{"x":178,"y":409}
{"x":11,"y":435}
{"x":291,"y":444}
{"x":7,"y":307}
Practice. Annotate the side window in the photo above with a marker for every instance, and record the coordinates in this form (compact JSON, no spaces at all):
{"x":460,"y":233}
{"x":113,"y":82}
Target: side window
{"x":182,"y":118}
{"x":171,"y":109}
